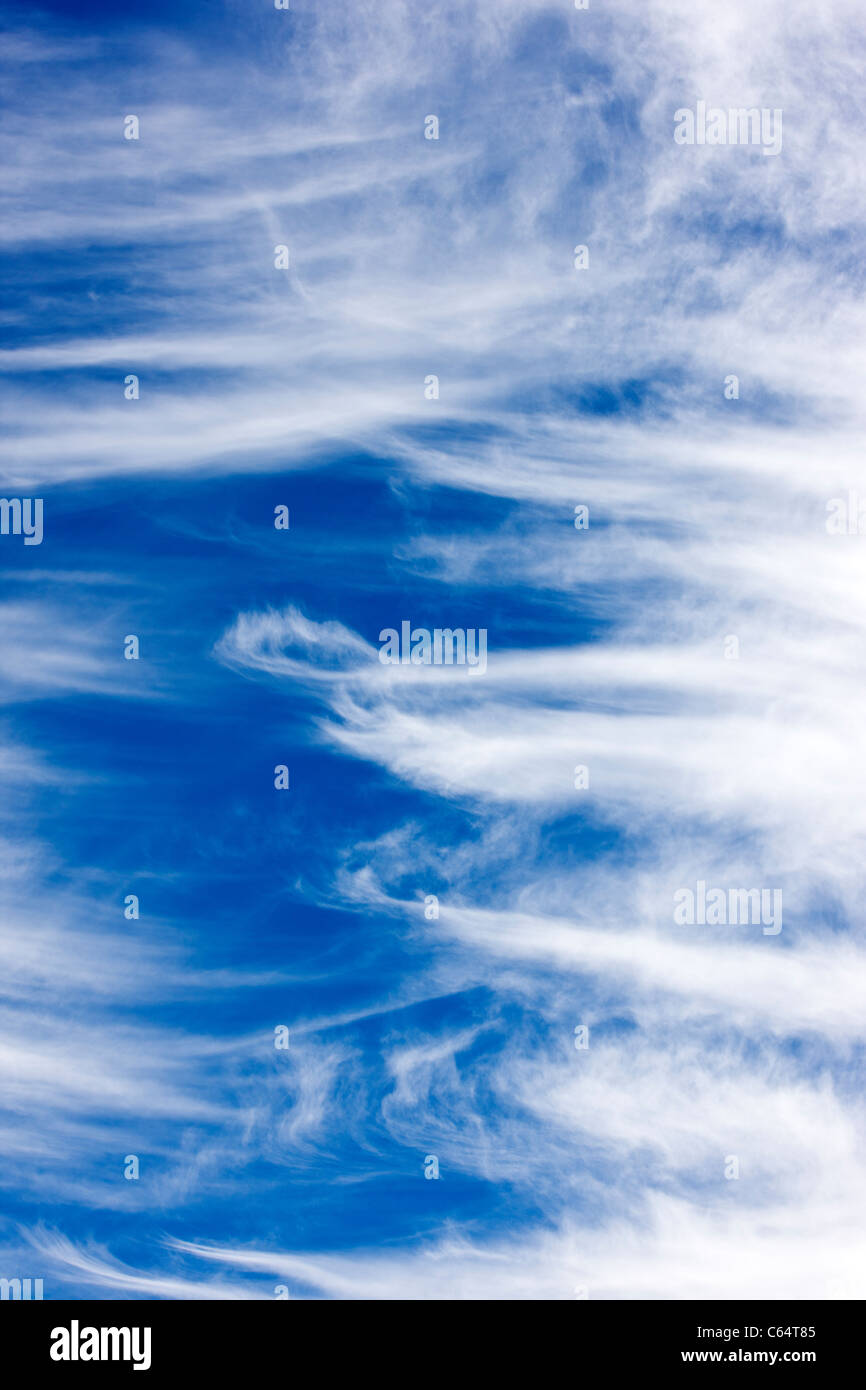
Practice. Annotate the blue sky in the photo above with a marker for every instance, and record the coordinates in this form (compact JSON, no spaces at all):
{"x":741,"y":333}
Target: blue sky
{"x":563,"y":1172}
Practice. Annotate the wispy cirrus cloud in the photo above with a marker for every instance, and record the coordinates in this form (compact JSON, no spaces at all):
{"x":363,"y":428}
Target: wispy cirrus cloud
{"x":435,"y":904}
